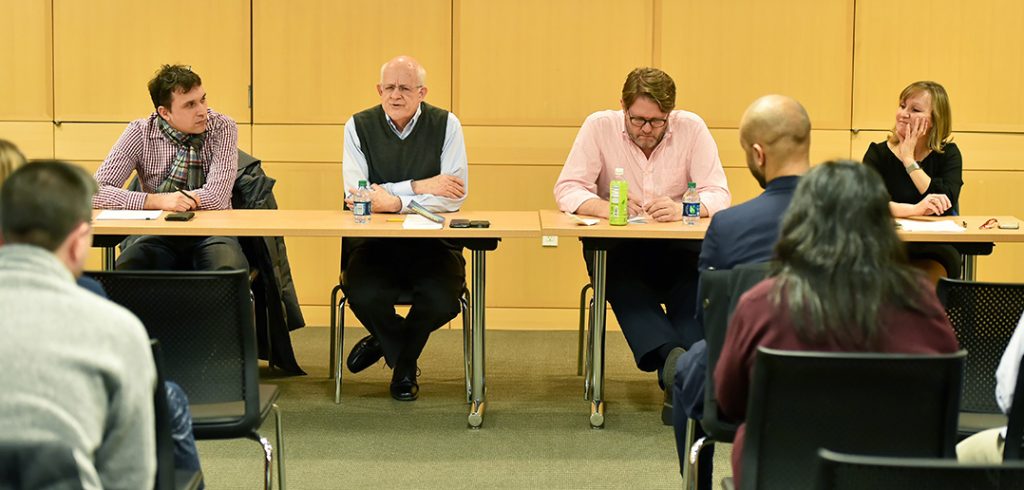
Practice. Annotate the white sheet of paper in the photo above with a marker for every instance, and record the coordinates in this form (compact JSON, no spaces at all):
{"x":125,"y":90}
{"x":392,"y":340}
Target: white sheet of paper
{"x":933,"y":226}
{"x":128,"y":214}
{"x":582,"y":221}
{"x":417,"y":222}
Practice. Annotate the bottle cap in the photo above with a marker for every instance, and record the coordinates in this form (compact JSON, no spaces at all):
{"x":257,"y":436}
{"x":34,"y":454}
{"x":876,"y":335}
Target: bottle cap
{"x":362,"y":183}
{"x":692,"y":185}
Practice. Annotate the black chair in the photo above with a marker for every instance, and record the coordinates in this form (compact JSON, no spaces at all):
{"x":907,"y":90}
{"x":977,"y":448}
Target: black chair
{"x":851,"y":472}
{"x":984,"y":316}
{"x":167,"y":477}
{"x":48,"y":465}
{"x":719,"y":291}
{"x":1012,"y":449}
{"x":338,"y":301}
{"x":204,"y":321}
{"x":865,"y":403}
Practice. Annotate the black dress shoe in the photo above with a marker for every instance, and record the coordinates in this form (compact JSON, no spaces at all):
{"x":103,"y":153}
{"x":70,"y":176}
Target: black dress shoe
{"x":405,"y":389}
{"x":364,"y":354}
{"x":403,"y":383}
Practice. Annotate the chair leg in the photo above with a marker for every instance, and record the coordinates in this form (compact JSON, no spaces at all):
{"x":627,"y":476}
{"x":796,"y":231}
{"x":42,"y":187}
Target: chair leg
{"x":688,"y":470}
{"x":693,"y":462}
{"x":334,"y":319}
{"x":280,"y":446}
{"x":268,"y":452}
{"x":340,"y":336}
{"x":583,"y":320}
{"x":589,"y":361}
{"x":467,"y":345}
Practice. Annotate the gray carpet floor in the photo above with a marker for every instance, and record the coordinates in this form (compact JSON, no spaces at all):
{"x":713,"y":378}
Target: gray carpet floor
{"x":536,"y":432}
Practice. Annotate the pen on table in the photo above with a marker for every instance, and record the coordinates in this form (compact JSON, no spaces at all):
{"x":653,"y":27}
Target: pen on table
{"x":965,"y":225}
{"x":395,"y":220}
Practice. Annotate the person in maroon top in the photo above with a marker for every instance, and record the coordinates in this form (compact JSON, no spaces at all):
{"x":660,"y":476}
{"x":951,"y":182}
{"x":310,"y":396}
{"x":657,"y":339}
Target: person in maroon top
{"x":840,"y":265}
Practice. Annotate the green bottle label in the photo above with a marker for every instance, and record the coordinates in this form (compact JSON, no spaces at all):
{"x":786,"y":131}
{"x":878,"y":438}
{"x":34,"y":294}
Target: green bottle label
{"x":619,"y":198}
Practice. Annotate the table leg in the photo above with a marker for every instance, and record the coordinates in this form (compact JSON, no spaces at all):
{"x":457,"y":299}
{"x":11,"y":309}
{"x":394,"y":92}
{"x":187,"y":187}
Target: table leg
{"x":479,"y":389}
{"x":597,"y":349}
{"x":108,"y":258}
{"x":969,"y":267}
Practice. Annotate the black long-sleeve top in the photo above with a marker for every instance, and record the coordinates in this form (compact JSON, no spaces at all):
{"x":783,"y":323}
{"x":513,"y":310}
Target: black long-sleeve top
{"x":945,"y":170}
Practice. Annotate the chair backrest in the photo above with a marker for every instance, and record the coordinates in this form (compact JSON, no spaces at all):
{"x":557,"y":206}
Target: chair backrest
{"x":1012,"y":449}
{"x":719,"y":291}
{"x":204,"y":322}
{"x":865,"y":403}
{"x":838,"y":471}
{"x":984,"y":316}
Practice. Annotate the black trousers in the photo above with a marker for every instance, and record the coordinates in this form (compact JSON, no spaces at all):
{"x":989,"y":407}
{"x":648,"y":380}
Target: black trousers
{"x":642,"y":275}
{"x":213,"y":253}
{"x":428,"y":272}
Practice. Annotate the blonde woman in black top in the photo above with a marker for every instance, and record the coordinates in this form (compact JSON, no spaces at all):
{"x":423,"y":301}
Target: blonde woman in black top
{"x":922,"y":169}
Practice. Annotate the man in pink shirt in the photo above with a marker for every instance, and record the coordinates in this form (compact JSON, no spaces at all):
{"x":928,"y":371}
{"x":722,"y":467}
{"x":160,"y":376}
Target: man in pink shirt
{"x":186,"y":157}
{"x":661,"y":150}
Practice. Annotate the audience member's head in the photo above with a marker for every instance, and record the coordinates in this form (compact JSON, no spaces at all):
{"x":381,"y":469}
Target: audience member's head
{"x":775,"y":134}
{"x":839,"y":260}
{"x":648,"y":97}
{"x":10,"y":159}
{"x":403,"y":85}
{"x":48,"y":204}
{"x":931,"y":99}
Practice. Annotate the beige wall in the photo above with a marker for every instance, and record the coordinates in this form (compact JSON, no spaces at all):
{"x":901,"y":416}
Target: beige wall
{"x":521,"y":75}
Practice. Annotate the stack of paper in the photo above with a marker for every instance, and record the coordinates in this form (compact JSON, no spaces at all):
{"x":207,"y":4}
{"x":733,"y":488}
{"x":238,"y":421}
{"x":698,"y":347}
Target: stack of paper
{"x":942,"y":226}
{"x":417,"y":222}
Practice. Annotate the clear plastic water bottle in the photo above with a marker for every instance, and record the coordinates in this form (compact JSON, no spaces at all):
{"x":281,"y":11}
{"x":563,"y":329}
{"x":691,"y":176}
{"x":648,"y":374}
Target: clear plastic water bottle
{"x":361,"y":203}
{"x":691,"y":205}
{"x":618,"y":197}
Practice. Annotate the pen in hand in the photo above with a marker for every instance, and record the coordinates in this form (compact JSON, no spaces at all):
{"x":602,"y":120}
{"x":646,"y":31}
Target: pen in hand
{"x":195,"y":203}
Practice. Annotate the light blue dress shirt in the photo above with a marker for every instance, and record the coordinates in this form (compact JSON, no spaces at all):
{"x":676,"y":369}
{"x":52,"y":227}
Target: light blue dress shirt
{"x":453,"y":162}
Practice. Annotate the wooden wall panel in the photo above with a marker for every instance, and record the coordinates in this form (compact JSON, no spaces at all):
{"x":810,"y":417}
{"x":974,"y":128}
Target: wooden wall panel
{"x":34,"y":139}
{"x":723,"y":55}
{"x":519,"y":145}
{"x":318,"y":61}
{"x":544,"y":63}
{"x":298,"y":143}
{"x":306,"y":185}
{"x":106,"y":51}
{"x":981,"y":151}
{"x":26,"y":80}
{"x":972,"y":48}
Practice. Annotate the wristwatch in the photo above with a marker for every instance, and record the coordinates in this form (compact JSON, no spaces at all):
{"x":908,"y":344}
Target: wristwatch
{"x":912,"y":167}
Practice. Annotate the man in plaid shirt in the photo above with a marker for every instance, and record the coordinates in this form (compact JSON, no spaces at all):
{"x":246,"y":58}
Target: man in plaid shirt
{"x":186,"y":157}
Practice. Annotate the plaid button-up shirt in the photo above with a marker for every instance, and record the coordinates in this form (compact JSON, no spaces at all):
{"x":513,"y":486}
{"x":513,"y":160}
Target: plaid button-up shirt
{"x":145,"y":149}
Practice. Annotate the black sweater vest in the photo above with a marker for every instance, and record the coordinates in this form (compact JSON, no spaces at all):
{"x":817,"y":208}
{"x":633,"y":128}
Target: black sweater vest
{"x":392,"y":159}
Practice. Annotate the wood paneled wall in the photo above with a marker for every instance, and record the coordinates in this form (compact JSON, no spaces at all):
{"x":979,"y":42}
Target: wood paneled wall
{"x":521,"y":75}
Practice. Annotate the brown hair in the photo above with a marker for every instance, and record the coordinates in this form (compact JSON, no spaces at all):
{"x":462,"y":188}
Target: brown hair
{"x":942,"y":118}
{"x":10,"y":159}
{"x":170,"y":79}
{"x":652,"y":83}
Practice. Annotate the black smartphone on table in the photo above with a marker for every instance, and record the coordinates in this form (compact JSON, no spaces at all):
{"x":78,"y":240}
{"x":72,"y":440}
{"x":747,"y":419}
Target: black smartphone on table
{"x":460,"y":223}
{"x":186,"y":216}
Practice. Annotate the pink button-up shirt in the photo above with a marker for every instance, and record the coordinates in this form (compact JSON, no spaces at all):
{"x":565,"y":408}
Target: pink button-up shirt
{"x":145,"y":149}
{"x":686,"y":154}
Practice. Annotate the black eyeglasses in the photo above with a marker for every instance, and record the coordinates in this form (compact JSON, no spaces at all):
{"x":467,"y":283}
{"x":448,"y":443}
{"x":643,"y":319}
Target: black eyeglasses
{"x":655,"y":122}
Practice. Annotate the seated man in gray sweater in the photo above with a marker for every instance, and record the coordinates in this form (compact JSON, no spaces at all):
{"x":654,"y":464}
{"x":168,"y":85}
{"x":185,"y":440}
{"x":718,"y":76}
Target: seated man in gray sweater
{"x":78,"y":369}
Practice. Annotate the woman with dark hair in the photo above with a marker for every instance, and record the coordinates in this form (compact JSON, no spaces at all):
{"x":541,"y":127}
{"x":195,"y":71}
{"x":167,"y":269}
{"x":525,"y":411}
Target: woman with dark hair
{"x":840,"y":282}
{"x":922,"y":169}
